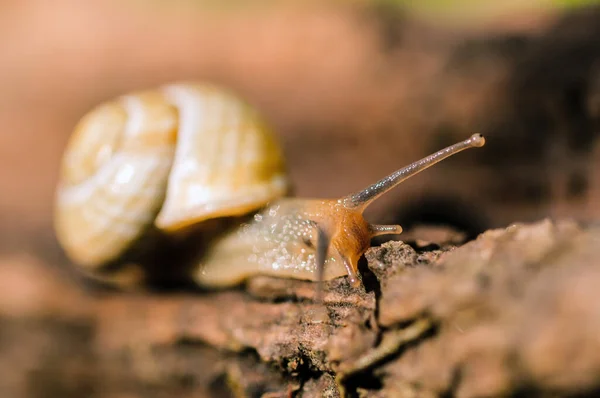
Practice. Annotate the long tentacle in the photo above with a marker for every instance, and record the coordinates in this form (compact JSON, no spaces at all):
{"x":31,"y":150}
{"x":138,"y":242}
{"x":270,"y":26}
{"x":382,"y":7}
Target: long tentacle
{"x":360,"y":200}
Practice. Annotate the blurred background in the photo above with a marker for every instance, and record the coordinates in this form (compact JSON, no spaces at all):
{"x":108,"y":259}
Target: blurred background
{"x":354,"y":89}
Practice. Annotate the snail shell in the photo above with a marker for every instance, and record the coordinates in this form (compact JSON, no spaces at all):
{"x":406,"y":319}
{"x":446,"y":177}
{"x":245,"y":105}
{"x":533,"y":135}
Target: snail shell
{"x":166,"y":158}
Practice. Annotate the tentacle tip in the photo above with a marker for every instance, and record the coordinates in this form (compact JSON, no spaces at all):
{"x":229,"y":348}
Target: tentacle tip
{"x":354,"y":281}
{"x":319,"y":314}
{"x":319,"y":299}
{"x":477,"y":140}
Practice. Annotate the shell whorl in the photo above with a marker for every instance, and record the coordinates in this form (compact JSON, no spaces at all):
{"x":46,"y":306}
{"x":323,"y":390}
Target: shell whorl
{"x":168,"y":157}
{"x":227,"y":160}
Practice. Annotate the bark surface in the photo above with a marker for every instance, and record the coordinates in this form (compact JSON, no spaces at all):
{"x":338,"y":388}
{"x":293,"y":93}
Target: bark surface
{"x":515,"y":311}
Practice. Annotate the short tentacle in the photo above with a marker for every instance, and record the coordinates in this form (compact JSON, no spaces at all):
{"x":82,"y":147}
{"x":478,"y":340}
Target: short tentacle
{"x":378,"y":230}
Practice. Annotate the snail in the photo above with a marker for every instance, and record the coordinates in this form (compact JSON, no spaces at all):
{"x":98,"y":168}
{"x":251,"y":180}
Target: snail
{"x":188,"y":153}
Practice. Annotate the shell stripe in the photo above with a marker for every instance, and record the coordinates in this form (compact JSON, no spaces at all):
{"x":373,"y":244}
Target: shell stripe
{"x":122,"y":218}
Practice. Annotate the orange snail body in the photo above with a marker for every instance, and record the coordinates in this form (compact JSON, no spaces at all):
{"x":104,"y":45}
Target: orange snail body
{"x":186,"y":153}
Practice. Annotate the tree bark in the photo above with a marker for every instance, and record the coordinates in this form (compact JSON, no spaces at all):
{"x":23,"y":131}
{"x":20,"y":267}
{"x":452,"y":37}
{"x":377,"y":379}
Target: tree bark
{"x":516,"y":311}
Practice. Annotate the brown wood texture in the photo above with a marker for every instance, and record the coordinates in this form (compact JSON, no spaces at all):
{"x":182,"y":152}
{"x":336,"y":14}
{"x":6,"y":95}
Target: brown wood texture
{"x":513,"y":312}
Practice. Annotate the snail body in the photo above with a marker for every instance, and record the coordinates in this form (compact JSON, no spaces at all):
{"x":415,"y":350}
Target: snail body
{"x":281,"y":240}
{"x":184,"y":154}
{"x":311,"y":239}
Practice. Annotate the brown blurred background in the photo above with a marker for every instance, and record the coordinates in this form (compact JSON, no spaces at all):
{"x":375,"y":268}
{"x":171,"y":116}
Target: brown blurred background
{"x":355,"y":90}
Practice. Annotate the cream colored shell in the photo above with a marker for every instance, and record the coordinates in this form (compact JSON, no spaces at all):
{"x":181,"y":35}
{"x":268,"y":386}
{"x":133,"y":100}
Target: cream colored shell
{"x":168,"y":158}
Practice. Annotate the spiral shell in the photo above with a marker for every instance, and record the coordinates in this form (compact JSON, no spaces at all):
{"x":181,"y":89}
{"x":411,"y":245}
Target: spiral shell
{"x":169,"y":157}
